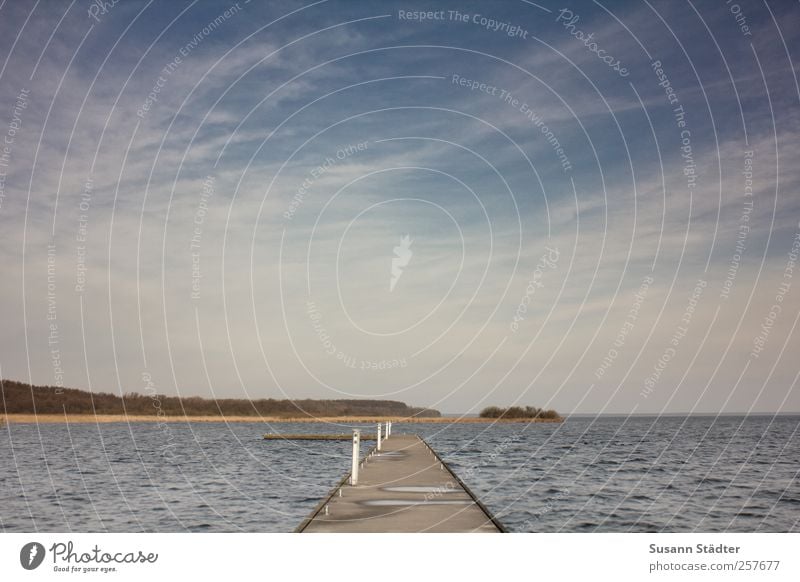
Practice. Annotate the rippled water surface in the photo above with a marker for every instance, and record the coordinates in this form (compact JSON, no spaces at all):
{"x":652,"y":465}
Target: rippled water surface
{"x":605,"y":474}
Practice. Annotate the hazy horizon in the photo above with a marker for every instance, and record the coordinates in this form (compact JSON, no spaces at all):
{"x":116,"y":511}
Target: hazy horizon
{"x":564,"y":413}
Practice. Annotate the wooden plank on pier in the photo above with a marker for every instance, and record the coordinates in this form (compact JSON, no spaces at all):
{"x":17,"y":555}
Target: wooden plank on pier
{"x":405,"y":487}
{"x":316,"y":437}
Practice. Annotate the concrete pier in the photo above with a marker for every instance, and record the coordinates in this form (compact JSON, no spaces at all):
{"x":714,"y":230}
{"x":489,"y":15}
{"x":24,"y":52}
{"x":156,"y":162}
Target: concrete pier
{"x":405,"y":487}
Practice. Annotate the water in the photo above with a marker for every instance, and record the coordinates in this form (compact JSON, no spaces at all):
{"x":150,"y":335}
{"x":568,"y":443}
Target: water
{"x":604,"y":474}
{"x":635,"y":474}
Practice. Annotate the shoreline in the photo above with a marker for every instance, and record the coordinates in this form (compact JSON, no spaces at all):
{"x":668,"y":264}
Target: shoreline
{"x":17,"y":418}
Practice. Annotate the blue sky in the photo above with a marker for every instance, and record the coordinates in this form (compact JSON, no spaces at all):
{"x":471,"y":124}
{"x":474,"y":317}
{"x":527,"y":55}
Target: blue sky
{"x":223,"y":186}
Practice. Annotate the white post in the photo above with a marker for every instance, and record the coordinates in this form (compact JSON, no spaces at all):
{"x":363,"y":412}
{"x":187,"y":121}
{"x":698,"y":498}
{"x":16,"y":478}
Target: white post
{"x":378,"y":448}
{"x":390,"y":428}
{"x":354,"y":466}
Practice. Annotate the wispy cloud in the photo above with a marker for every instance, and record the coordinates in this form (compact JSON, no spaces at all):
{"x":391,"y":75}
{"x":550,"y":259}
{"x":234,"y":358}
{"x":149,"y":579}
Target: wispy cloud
{"x":273,"y":165}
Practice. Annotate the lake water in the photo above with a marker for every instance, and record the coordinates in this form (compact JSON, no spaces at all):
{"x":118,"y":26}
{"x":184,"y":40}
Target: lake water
{"x":612,"y":474}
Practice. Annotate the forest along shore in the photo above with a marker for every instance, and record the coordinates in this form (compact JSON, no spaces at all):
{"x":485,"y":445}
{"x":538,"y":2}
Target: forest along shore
{"x":106,"y":418}
{"x":21,"y":398}
{"x":25,"y":403}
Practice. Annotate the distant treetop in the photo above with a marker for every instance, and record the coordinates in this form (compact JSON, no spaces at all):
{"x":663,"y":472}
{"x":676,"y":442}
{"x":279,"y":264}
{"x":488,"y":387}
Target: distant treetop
{"x":518,"y":412}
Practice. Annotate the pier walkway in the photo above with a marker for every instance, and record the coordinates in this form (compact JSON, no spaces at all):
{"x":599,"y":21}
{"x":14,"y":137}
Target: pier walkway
{"x":405,"y":487}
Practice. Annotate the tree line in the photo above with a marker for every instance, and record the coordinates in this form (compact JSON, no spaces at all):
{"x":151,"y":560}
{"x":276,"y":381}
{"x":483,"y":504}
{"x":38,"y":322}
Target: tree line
{"x":20,"y":398}
{"x":518,"y":412}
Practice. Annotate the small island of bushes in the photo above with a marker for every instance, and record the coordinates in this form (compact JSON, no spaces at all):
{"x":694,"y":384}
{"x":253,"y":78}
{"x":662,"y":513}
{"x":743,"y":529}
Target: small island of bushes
{"x":519,"y":413}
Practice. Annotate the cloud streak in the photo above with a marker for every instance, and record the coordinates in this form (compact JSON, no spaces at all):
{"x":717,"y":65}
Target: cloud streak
{"x":269,"y":108}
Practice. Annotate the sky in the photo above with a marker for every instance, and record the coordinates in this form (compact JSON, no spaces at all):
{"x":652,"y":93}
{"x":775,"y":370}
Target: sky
{"x":591,"y":207}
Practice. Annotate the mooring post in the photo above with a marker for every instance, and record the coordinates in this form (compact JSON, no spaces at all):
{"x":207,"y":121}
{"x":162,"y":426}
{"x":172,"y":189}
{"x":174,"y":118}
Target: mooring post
{"x":378,"y":448}
{"x":354,"y":466}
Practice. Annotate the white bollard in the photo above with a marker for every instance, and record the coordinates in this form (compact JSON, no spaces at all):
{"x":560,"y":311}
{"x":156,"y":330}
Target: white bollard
{"x":390,"y":427}
{"x":378,"y":448}
{"x":354,"y":466}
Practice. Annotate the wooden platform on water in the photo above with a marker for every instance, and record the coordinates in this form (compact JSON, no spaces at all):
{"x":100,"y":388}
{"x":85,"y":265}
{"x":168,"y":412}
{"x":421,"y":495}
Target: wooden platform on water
{"x":405,"y":487}
{"x":316,"y":437}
